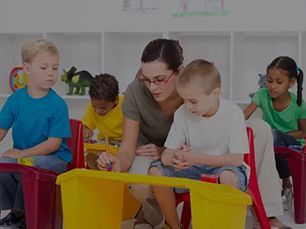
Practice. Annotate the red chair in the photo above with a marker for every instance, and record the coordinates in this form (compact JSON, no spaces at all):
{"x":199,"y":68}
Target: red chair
{"x":41,"y":195}
{"x":253,"y":191}
{"x":297,"y":165}
{"x":75,"y":144}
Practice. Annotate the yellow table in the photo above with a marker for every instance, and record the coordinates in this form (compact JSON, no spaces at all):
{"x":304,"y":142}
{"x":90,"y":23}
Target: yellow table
{"x":94,"y":199}
{"x":99,"y":147}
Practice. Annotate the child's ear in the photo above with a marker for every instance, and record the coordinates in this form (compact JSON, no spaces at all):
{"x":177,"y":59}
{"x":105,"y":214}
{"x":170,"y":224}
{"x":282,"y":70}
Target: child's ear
{"x":216,"y":92}
{"x":26,"y":68}
{"x":291,"y":82}
{"x":117,"y":100}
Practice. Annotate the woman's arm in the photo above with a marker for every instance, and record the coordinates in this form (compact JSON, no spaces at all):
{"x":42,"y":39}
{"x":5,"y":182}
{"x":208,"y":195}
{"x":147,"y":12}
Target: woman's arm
{"x":249,"y":110}
{"x":128,"y":144}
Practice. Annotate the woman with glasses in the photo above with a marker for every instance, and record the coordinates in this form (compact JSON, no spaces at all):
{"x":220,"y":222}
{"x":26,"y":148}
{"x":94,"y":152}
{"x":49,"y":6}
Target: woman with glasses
{"x":148,"y":108}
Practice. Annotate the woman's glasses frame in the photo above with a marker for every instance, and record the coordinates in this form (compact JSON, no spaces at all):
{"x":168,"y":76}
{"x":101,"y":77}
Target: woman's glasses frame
{"x":159,"y":81}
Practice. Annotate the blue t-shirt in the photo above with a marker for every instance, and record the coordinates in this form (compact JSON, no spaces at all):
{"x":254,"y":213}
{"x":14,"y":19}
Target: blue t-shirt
{"x":34,"y":120}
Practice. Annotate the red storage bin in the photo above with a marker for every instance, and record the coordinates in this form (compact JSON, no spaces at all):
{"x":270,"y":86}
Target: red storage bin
{"x":42,"y":197}
{"x":39,"y":190}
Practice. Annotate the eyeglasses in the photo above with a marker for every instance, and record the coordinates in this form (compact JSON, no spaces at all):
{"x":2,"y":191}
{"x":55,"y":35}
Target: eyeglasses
{"x":159,"y":81}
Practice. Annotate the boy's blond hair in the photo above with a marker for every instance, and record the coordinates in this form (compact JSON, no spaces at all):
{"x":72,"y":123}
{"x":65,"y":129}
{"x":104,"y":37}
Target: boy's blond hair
{"x":31,"y":48}
{"x":202,"y":72}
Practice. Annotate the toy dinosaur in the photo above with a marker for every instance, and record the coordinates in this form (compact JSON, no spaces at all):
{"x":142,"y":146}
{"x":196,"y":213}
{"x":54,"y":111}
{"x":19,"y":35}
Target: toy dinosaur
{"x":262,"y":82}
{"x":77,"y":81}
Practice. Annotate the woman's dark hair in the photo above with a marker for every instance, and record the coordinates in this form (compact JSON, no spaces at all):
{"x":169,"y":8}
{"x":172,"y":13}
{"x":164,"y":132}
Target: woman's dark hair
{"x":166,"y":50}
{"x":287,"y":64}
{"x":104,"y":86}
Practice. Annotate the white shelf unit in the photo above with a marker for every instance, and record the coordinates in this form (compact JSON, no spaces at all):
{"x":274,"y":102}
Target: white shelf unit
{"x":239,"y":55}
{"x":10,"y":46}
{"x":122,"y":54}
{"x":81,"y":50}
{"x":252,"y":52}
{"x":212,"y":46}
{"x":302,"y":55}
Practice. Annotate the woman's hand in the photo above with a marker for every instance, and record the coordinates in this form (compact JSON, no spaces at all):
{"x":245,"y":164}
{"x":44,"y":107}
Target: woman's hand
{"x":13,"y":153}
{"x":107,"y":161}
{"x":150,"y":150}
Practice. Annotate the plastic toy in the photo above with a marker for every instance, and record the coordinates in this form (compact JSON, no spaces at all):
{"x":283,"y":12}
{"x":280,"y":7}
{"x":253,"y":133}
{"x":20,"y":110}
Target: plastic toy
{"x":17,"y":79}
{"x":77,"y":81}
{"x":262,"y":82}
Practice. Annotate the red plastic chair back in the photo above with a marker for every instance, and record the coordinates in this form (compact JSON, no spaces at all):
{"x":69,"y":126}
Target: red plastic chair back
{"x":253,"y":188}
{"x":75,"y":143}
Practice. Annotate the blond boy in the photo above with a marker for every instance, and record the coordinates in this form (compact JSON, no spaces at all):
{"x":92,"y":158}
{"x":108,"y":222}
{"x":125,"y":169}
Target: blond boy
{"x":208,"y":136}
{"x":40,"y":124}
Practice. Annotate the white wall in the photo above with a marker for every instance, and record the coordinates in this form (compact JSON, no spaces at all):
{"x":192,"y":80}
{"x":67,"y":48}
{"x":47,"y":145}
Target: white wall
{"x":228,"y":49}
{"x":95,"y":15}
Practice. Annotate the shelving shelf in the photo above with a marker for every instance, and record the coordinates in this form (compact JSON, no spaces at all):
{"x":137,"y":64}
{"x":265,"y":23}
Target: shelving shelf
{"x":239,"y":55}
{"x":108,"y":37}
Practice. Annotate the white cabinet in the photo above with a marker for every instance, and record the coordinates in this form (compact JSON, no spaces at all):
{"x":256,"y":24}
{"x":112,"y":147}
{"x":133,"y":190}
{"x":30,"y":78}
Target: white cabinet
{"x":81,"y":50}
{"x":122,"y":54}
{"x":214,"y":47}
{"x":252,"y":52}
{"x":239,"y":56}
{"x":10,"y":48}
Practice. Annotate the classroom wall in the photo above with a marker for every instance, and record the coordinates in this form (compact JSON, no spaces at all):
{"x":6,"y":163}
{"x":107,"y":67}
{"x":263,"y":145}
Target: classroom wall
{"x":47,"y":16}
{"x":96,"y":15}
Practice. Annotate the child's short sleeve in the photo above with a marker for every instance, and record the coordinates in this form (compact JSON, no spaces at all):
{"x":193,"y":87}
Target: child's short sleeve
{"x":257,"y":98}
{"x":177,"y":133}
{"x":8,"y":113}
{"x":88,"y":117}
{"x":302,"y":111}
{"x":60,"y":127}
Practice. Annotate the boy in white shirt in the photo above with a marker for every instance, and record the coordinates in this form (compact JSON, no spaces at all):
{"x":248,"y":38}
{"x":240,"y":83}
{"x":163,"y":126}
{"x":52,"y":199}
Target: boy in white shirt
{"x":208,"y":136}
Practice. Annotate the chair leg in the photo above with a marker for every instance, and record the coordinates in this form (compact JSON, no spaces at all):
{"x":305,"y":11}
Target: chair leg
{"x":298,"y":172}
{"x":186,"y":214}
{"x":259,"y":207}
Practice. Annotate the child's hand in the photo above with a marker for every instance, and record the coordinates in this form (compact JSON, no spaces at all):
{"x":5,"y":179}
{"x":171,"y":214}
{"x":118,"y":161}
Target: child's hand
{"x":191,"y":157}
{"x":87,"y":134}
{"x":150,"y":150}
{"x":184,"y":158}
{"x":107,"y":161}
{"x":13,"y":153}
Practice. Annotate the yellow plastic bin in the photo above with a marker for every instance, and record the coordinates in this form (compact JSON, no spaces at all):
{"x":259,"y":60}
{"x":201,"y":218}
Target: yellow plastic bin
{"x":94,"y":199}
{"x":130,"y":204}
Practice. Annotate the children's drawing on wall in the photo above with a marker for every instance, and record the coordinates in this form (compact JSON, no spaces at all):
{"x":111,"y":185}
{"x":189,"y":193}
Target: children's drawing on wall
{"x":140,"y":6}
{"x":184,"y":5}
{"x":200,"y":8}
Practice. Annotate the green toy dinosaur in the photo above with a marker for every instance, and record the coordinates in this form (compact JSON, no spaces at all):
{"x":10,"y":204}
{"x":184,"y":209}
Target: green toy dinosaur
{"x":77,"y":81}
